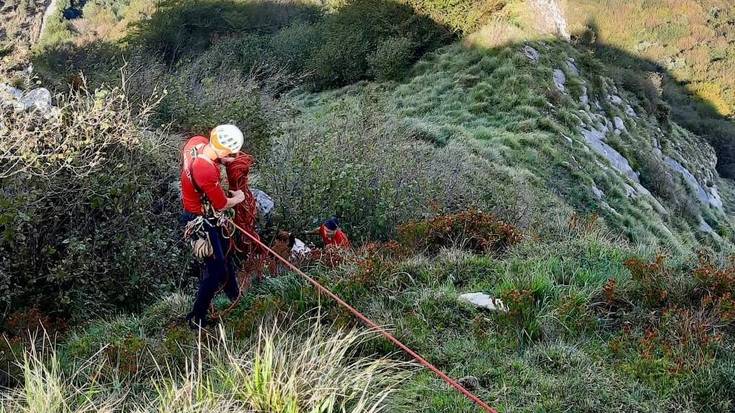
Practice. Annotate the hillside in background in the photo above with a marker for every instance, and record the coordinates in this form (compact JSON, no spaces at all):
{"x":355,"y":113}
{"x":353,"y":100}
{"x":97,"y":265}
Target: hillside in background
{"x":572,"y":158}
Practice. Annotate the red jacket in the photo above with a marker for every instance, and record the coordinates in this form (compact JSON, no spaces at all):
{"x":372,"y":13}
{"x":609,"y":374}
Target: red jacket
{"x":339,"y":239}
{"x":205,"y":173}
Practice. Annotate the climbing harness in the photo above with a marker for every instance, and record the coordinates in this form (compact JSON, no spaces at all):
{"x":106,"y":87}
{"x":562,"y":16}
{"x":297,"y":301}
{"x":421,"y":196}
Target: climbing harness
{"x":370,"y":323}
{"x":244,"y":214}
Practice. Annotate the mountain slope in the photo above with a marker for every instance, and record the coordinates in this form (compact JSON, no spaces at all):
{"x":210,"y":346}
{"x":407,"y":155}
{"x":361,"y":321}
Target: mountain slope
{"x":547,"y":111}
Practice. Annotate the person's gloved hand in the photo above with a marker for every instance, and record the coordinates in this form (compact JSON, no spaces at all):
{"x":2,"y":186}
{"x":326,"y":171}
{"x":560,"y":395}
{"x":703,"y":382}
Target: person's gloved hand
{"x":238,"y":196}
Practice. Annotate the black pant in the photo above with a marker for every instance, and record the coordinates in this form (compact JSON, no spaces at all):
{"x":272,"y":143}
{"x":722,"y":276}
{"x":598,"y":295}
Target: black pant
{"x":216,"y":270}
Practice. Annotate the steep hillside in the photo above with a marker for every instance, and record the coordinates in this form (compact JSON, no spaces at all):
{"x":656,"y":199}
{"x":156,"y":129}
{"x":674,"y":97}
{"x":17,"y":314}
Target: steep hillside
{"x":546,"y":113}
{"x":509,"y":148}
{"x":683,"y":49}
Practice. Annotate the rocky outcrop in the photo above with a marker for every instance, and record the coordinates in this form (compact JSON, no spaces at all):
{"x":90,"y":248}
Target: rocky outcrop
{"x":707,"y":196}
{"x":551,"y":17}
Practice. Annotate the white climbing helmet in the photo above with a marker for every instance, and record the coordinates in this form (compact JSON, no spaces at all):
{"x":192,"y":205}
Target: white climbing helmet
{"x":226,"y":137}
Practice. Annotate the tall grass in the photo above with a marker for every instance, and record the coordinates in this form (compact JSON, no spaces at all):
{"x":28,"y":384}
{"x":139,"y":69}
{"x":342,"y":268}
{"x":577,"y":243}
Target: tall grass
{"x":307,"y":368}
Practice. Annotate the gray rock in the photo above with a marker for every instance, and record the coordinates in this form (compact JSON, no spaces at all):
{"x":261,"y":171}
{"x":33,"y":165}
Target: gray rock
{"x":597,"y":192}
{"x":572,"y":67}
{"x":630,"y":192}
{"x":483,"y":300}
{"x":619,"y":124}
{"x":630,"y":112}
{"x":263,"y":201}
{"x":560,"y":80}
{"x":595,"y":139}
{"x":531,"y":53}
{"x":39,"y":99}
{"x":707,"y":196}
{"x":615,"y":99}
{"x":584,"y":99}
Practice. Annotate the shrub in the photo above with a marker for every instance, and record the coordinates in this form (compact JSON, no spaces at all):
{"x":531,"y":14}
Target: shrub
{"x":292,"y":45}
{"x":350,"y":159}
{"x":89,"y":214}
{"x":357,"y":30}
{"x":199,"y":100}
{"x":188,"y":27}
{"x":472,"y":230}
{"x":651,"y":281}
{"x":391,"y":58}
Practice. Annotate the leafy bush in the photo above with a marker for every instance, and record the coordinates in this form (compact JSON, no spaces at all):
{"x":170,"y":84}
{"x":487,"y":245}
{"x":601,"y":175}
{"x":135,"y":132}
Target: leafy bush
{"x":350,"y":159}
{"x":89,"y":211}
{"x":356,"y":31}
{"x":187,"y":27}
{"x":472,"y":230}
{"x":391,"y":58}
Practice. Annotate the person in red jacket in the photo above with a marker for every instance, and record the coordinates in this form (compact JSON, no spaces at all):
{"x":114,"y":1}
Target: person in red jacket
{"x":202,"y":195}
{"x":332,"y":234}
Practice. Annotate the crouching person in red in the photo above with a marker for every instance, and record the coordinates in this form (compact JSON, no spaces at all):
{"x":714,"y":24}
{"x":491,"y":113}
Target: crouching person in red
{"x":332,"y":235}
{"x":202,"y":196}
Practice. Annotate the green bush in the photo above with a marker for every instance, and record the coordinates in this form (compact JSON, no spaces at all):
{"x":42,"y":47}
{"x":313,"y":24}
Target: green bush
{"x":357,"y":33}
{"x":391,"y":58}
{"x":292,"y":46}
{"x":89,"y":217}
{"x":187,"y":27}
{"x":350,"y":159}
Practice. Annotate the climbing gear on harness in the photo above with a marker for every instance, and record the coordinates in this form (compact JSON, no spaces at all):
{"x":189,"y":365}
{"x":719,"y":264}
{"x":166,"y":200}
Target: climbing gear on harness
{"x":201,"y":244}
{"x":226,"y":137}
{"x":202,"y":248}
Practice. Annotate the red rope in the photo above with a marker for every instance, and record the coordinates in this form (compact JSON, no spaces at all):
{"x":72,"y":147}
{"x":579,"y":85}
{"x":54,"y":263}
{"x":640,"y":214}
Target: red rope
{"x":245,"y":212}
{"x":372,"y":325}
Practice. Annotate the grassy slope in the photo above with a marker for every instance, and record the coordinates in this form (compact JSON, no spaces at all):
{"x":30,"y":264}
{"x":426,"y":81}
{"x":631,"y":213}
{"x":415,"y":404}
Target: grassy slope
{"x":559,"y":352}
{"x":506,"y":108}
{"x":562,"y":353}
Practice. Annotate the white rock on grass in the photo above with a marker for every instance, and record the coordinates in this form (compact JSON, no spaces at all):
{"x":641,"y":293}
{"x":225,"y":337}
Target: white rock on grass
{"x":595,"y":139}
{"x":619,"y":124}
{"x":560,"y":79}
{"x":39,"y":99}
{"x":615,"y":99}
{"x":584,"y":99}
{"x":483,"y":300}
{"x":630,"y":112}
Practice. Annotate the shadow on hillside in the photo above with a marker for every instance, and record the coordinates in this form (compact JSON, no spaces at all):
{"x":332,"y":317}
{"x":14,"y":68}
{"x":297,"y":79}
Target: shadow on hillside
{"x":365,"y":39}
{"x":358,"y":41}
{"x":665,"y":96}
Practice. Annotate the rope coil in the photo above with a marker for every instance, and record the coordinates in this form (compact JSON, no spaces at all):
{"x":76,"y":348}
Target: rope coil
{"x":484,"y":406}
